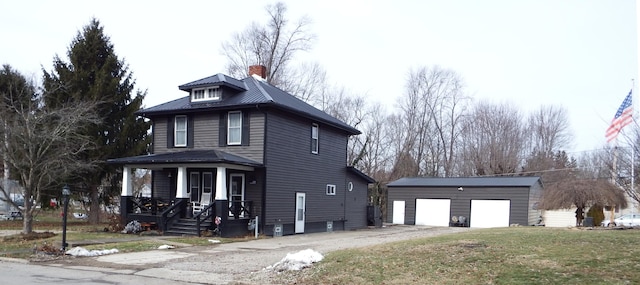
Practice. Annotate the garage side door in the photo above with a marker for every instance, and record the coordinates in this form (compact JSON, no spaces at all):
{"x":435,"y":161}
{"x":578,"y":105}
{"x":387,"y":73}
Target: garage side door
{"x":490,"y":213}
{"x":398,"y":212}
{"x":433,"y":212}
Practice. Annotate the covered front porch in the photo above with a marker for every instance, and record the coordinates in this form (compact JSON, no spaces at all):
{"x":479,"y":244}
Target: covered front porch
{"x":193,"y":192}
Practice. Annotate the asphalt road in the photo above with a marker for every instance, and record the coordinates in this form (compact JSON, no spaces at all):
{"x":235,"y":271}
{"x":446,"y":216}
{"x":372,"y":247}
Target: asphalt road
{"x":22,"y":273}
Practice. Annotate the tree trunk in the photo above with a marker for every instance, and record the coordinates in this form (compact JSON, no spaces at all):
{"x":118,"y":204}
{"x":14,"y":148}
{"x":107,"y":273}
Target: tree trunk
{"x":579,"y":216}
{"x":27,"y":218}
{"x":94,"y":213}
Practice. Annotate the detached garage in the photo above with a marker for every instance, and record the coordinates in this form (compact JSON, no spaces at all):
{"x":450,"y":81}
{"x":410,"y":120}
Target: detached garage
{"x":479,"y":202}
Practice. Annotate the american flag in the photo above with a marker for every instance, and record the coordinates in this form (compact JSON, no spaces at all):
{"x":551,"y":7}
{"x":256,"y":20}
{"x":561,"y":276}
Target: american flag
{"x":622,"y":118}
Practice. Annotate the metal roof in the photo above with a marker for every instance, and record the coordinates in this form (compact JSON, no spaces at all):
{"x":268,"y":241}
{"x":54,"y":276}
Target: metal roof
{"x":189,"y":156}
{"x":361,"y":174}
{"x":254,"y":92}
{"x":495,"y":181}
{"x":218,"y":79}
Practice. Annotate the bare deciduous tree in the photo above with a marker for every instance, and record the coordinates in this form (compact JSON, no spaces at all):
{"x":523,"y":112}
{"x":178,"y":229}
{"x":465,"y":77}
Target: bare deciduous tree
{"x":429,"y":125}
{"x":273,"y":45}
{"x":548,"y":128}
{"x":493,"y":140}
{"x":42,"y":146}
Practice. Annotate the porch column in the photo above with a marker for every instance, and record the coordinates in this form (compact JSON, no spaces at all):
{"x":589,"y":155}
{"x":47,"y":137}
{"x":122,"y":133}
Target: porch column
{"x":126,"y":205}
{"x":181,"y":191}
{"x":221,"y":183}
{"x":127,"y":189}
{"x":222,"y":205}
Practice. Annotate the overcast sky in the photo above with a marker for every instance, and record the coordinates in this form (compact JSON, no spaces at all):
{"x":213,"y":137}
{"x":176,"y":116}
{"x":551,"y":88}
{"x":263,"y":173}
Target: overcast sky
{"x":578,"y":54}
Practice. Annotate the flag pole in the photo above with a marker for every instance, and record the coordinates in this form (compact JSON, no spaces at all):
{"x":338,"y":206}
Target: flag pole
{"x":633,"y":149}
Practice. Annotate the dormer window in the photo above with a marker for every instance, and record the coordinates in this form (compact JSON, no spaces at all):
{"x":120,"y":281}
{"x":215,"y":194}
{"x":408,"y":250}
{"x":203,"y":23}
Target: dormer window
{"x":206,"y":94}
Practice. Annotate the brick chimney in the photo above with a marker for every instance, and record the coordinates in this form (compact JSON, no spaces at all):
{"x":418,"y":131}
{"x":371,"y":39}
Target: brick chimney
{"x":259,"y":70}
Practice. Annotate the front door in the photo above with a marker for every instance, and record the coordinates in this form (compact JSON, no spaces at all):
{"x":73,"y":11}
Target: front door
{"x":300,"y":209}
{"x":236,"y":195}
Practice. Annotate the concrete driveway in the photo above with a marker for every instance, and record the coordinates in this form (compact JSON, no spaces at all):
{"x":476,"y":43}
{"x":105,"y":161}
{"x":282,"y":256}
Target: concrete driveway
{"x":240,"y":262}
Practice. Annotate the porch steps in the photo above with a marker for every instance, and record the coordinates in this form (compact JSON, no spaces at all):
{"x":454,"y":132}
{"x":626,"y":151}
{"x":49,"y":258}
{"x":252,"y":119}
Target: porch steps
{"x":186,"y":227}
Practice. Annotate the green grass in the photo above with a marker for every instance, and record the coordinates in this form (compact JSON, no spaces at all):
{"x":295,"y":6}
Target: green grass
{"x":522,"y":255}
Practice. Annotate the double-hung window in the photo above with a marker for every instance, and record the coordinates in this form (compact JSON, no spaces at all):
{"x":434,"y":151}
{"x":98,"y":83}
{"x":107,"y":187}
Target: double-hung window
{"x":234,"y":128}
{"x":180,"y":131}
{"x":314,"y":139}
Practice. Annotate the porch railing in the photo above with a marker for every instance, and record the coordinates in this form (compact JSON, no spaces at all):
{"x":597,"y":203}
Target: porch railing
{"x":146,"y":205}
{"x":206,"y":214}
{"x":240,"y":209}
{"x":172,"y":212}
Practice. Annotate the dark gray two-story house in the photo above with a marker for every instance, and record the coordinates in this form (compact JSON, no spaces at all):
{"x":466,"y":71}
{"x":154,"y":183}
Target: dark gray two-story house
{"x":236,"y":153}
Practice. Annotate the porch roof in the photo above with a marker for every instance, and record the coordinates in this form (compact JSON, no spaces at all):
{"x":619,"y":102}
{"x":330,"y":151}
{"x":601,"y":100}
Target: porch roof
{"x":187,"y":157}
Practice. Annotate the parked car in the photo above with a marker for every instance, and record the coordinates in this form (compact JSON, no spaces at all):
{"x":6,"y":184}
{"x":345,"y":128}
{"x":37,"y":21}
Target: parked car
{"x":628,"y":220}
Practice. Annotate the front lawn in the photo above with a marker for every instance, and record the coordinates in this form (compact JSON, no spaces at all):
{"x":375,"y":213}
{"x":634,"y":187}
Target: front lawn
{"x":518,"y":255}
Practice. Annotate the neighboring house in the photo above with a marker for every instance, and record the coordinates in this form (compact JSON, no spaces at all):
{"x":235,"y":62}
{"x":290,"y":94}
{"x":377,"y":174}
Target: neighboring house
{"x":466,"y":201}
{"x":237,"y":149}
{"x":560,"y":218}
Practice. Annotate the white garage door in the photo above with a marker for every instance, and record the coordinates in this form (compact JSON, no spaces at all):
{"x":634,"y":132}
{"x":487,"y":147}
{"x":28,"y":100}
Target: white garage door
{"x":433,"y":212}
{"x":398,"y":212}
{"x":490,"y":213}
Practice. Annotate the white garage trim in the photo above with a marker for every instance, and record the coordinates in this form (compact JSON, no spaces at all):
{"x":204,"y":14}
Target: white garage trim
{"x":433,"y":212}
{"x":490,"y":213}
{"x":398,"y":212}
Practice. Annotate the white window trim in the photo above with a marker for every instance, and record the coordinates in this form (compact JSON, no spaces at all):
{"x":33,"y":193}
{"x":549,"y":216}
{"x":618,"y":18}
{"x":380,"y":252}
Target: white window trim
{"x":175,"y":131}
{"x":213,"y":93}
{"x":229,"y":142}
{"x":331,"y":189}
{"x":316,"y":138}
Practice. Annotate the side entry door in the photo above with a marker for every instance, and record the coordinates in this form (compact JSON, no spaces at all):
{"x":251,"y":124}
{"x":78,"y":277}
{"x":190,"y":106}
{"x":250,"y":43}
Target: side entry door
{"x":300,"y":212}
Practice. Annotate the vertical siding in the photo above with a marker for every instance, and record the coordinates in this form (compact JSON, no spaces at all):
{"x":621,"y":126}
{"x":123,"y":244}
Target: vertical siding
{"x":461,"y":200}
{"x":291,"y":168}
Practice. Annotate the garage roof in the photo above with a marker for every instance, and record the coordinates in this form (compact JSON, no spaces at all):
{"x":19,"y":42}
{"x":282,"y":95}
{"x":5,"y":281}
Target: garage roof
{"x":496,"y":181}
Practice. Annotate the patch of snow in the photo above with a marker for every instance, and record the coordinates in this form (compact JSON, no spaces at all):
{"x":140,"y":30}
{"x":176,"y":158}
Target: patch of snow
{"x":214,"y":241}
{"x":166,"y":246}
{"x":297,"y":261}
{"x":81,"y":251}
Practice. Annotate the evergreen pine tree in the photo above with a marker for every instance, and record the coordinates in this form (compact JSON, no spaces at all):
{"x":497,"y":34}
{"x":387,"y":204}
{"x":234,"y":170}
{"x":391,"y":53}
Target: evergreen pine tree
{"x":95,"y":74}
